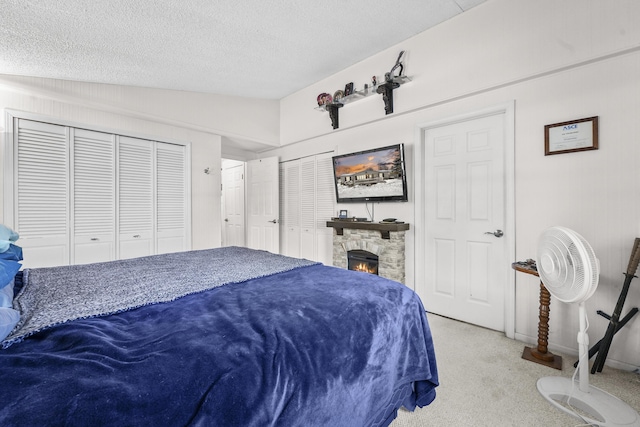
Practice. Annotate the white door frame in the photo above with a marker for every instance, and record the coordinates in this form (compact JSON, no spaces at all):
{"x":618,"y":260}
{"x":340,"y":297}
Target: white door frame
{"x":508,"y":109}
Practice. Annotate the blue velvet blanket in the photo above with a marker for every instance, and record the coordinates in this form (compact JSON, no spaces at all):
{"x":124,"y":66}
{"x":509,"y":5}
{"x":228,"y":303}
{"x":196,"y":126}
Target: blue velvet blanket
{"x":59,"y":294}
{"x":311,"y":346}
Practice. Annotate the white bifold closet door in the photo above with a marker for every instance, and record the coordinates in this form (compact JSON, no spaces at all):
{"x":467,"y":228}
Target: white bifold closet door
{"x":171,"y":203}
{"x":93,"y":196}
{"x":308,"y":208}
{"x":152,"y":197}
{"x":41,"y":182}
{"x":325,"y":208}
{"x":308,"y":203}
{"x":135,"y":197}
{"x":290,"y":208}
{"x":83,"y":196}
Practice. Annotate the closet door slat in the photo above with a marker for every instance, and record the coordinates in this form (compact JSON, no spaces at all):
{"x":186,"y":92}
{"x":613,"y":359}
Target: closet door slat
{"x":42,"y":180}
{"x":135,"y":181}
{"x":325,"y":191}
{"x":93,"y":183}
{"x":170,"y":187}
{"x":308,"y":193}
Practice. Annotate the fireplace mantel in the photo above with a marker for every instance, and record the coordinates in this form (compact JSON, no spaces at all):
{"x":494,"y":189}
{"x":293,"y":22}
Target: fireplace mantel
{"x":383,"y":227}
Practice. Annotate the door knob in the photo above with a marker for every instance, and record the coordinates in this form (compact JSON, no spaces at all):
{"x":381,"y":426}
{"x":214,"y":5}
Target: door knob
{"x":226,"y":220}
{"x":275,"y":221}
{"x":497,"y":233}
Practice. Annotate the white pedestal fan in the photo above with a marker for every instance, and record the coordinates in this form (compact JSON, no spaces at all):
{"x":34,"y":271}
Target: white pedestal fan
{"x":570,"y":271}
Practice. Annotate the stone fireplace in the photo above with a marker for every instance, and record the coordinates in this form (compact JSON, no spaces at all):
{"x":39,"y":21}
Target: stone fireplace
{"x":386,"y":241}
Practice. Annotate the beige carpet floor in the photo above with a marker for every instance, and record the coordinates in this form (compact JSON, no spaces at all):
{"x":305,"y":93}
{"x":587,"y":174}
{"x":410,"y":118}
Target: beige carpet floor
{"x":485,"y":382}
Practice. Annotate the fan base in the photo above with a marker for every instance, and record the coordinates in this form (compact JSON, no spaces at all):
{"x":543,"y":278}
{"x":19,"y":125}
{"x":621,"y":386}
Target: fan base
{"x":595,"y":406}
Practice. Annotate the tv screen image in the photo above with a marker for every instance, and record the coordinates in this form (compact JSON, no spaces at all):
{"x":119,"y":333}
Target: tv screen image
{"x":376,"y":175}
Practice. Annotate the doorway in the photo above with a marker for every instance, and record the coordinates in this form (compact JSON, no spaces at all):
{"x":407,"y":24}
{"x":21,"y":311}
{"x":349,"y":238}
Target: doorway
{"x":233,"y":203}
{"x":465,"y":218}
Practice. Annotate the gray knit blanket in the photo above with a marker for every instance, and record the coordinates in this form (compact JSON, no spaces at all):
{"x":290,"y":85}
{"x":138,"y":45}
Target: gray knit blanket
{"x":55,"y":295}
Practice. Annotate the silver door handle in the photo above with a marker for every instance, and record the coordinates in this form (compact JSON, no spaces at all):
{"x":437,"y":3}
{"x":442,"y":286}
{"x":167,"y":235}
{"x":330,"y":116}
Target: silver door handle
{"x":275,"y":221}
{"x":497,"y":233}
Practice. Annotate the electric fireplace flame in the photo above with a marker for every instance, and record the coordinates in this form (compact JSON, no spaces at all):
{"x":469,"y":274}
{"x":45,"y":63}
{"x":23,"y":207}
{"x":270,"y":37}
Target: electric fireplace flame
{"x":365,"y":268}
{"x":359,"y":260}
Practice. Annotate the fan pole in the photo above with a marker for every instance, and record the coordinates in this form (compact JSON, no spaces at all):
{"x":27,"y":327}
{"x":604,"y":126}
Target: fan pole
{"x":583,"y":349}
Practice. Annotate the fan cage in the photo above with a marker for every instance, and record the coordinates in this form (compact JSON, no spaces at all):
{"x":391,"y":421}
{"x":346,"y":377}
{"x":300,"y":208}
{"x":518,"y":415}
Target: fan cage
{"x":567,"y":265}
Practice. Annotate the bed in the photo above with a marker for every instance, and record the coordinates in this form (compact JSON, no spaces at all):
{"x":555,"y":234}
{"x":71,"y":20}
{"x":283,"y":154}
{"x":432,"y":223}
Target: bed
{"x":220,"y":337}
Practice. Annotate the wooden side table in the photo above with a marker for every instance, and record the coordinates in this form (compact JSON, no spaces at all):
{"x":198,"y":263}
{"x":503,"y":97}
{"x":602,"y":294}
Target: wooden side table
{"x":540,"y":354}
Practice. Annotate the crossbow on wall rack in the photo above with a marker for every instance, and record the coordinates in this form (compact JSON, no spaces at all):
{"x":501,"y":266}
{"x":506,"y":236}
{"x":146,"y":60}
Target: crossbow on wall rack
{"x":391,"y":82}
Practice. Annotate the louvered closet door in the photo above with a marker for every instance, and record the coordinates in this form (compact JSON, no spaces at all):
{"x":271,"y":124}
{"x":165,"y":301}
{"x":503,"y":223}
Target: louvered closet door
{"x":308,"y":208}
{"x":282,"y":201}
{"x":94,"y":192}
{"x":290,"y":211}
{"x":42,"y":192}
{"x":171,"y":230}
{"x":325,"y":208}
{"x":135,"y":197}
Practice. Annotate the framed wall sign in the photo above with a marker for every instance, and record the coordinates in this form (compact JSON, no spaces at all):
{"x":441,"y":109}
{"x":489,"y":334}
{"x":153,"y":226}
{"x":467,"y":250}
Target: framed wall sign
{"x":568,"y":137}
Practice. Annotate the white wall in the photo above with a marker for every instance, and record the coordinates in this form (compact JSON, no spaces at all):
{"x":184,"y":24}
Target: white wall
{"x":200,"y":119}
{"x":559,"y":61}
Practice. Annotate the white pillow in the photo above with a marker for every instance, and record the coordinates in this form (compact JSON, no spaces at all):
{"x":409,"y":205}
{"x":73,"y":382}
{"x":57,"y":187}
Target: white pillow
{"x":8,"y":320}
{"x":6,"y":295}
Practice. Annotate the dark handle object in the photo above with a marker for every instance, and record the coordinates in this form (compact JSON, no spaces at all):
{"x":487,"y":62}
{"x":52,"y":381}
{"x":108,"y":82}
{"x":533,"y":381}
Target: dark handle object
{"x":635,"y":257}
{"x":615,"y":317}
{"x":593,"y":350}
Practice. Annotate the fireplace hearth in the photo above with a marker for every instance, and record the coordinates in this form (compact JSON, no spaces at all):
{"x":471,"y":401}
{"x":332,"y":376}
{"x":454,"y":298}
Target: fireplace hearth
{"x":360,"y":260}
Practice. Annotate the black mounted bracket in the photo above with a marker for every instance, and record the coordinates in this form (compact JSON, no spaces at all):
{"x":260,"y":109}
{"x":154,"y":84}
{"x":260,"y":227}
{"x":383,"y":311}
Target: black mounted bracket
{"x":386,"y":89}
{"x":333,"y":113}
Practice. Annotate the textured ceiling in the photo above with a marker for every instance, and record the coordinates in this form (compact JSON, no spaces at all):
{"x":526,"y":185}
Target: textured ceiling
{"x":255,"y":48}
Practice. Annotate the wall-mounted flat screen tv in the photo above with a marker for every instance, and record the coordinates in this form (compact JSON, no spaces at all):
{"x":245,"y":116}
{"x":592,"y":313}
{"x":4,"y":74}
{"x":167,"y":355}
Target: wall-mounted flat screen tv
{"x":376,"y":175}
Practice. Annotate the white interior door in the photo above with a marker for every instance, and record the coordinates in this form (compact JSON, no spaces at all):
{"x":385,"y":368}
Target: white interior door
{"x":463,"y":201}
{"x":233,"y":205}
{"x":263,"y":225}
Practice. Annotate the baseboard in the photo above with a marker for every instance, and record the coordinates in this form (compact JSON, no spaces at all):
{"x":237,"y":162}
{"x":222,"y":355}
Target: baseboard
{"x":616,"y":364}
